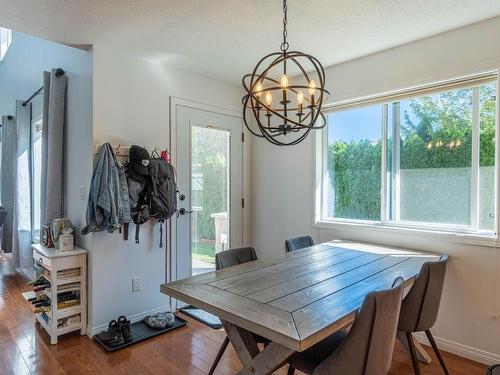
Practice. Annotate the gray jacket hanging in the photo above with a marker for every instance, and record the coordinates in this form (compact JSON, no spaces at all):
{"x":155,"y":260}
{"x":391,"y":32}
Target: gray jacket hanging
{"x":108,"y":205}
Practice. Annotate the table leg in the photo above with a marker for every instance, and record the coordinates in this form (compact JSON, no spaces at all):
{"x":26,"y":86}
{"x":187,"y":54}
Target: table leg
{"x":422,"y":355}
{"x":256,"y":362}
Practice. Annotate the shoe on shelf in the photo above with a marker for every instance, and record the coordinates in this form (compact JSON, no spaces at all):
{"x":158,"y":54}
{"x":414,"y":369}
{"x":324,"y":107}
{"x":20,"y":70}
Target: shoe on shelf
{"x":124,"y":325}
{"x":112,"y":337}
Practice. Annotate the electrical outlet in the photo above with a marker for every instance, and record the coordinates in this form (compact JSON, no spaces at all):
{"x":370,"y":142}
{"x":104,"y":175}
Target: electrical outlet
{"x":136,"y":284}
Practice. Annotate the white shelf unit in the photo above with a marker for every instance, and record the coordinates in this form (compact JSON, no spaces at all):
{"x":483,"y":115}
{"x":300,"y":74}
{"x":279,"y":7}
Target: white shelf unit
{"x":54,"y":260}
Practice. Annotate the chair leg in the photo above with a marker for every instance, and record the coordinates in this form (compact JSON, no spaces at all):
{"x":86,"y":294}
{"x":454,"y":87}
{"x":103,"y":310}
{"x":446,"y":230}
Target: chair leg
{"x":436,"y":350}
{"x":219,"y":355}
{"x":413,"y":355}
{"x":291,"y":370}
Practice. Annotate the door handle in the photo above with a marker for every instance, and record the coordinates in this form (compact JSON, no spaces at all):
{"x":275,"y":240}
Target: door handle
{"x":183,"y":211}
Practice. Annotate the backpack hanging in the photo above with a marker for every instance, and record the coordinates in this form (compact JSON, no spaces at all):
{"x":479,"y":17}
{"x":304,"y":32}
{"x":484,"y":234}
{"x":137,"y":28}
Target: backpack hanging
{"x":138,"y":181}
{"x":162,"y":190}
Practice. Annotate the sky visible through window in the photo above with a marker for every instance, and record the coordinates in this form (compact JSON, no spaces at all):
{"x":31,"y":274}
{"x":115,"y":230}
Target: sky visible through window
{"x":364,"y":123}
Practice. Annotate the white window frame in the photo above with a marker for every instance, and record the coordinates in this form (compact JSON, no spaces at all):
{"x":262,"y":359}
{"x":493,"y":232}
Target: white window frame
{"x":467,"y":233}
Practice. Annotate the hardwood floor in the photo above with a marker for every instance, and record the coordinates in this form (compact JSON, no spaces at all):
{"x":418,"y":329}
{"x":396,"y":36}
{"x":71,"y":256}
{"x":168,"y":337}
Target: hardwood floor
{"x":25,"y":347}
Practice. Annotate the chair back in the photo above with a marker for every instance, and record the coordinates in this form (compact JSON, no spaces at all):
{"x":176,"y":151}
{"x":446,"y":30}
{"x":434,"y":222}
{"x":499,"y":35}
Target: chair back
{"x":233,"y":257}
{"x":368,"y":347}
{"x":420,"y":307}
{"x":298,"y":243}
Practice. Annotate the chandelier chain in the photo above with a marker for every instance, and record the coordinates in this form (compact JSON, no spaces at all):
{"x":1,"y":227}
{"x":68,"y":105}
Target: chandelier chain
{"x":284,"y":45}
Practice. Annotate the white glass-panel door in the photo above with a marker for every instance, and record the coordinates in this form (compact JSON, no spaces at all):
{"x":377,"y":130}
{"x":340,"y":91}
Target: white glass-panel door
{"x":209,"y":161}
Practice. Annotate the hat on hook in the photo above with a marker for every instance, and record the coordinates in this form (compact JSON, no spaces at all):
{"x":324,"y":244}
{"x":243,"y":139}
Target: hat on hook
{"x":138,"y":161}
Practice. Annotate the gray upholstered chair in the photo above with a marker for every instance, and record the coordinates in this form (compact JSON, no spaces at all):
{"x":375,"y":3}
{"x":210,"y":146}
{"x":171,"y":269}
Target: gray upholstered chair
{"x":226,"y":259}
{"x":234,"y":257}
{"x":420,"y":307}
{"x":366,"y":349}
{"x":298,"y":243}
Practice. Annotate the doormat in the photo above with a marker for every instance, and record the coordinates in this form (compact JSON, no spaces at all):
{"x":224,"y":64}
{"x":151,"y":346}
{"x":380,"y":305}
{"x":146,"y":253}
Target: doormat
{"x":141,"y":331}
{"x":202,"y":316}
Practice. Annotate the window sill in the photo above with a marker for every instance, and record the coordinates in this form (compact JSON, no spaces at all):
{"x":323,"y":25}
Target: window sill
{"x":479,"y":239}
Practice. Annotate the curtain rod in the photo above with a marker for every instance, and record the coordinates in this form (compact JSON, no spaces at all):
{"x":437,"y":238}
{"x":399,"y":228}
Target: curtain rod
{"x":59,"y":72}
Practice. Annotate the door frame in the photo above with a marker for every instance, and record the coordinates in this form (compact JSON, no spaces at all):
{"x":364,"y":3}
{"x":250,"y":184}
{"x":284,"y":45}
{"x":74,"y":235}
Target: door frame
{"x":175,"y":103}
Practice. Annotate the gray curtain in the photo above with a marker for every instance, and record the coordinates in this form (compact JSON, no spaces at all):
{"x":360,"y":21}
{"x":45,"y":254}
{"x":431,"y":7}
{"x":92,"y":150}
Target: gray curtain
{"x":54,"y":118}
{"x":21,"y":237}
{"x":8,"y":178}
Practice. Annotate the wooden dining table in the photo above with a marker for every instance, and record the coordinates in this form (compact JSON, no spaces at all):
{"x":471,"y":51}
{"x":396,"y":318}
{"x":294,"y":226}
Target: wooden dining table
{"x":298,"y":299}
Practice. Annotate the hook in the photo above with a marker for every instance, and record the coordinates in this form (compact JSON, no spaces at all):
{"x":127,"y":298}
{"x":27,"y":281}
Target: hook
{"x":117,"y":150}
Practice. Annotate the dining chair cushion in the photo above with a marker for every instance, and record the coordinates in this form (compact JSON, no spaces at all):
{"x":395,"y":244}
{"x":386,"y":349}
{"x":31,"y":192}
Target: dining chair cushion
{"x":233,"y":257}
{"x":298,"y":243}
{"x":420,"y":307}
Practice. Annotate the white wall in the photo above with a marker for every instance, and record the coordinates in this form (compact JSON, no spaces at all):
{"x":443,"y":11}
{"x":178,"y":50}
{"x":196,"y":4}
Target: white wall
{"x":283,"y":183}
{"x":21,"y":73}
{"x":131,"y":106}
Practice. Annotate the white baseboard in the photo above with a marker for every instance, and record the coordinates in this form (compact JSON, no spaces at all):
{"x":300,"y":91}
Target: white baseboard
{"x":461,"y":350}
{"x":91,"y":331}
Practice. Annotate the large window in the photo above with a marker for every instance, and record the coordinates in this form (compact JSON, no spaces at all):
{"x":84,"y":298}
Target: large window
{"x":418,"y":159}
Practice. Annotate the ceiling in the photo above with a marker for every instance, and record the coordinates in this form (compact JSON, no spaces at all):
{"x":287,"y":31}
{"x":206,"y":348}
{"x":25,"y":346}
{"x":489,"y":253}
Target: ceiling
{"x":225,"y":38}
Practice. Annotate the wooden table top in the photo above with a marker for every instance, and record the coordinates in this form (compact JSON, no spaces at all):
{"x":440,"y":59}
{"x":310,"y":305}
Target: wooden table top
{"x":302,"y":297}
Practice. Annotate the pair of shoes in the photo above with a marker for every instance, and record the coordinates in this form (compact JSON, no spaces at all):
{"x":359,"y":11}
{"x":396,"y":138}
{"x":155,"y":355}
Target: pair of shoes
{"x":111,"y":337}
{"x":160,"y":320}
{"x":118,"y":333}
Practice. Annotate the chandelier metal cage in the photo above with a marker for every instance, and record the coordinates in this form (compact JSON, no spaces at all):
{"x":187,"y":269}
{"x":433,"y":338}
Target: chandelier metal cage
{"x":287,"y":75}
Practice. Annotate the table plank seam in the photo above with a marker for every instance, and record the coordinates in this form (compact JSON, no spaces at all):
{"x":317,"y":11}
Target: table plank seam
{"x":249,"y":299}
{"x":267,"y":263}
{"x":347,"y":286}
{"x":295,"y":325}
{"x":272,"y":263}
{"x":313,"y":271}
{"x":308,"y":286}
{"x":178,"y":293}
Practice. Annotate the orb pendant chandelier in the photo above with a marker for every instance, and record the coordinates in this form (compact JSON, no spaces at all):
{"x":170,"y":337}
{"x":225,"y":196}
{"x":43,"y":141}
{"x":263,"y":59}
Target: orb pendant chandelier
{"x":284,"y":95}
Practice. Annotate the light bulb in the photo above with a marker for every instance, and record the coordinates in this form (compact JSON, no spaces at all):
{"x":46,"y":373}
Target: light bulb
{"x":429,"y":145}
{"x":284,"y":81}
{"x":258,"y":89}
{"x":312,"y":87}
{"x":300,"y":97}
{"x":269,"y":98}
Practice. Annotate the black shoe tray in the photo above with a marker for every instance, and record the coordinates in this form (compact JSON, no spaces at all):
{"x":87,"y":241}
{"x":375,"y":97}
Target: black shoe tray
{"x":141,"y":331}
